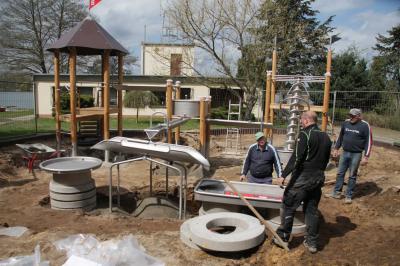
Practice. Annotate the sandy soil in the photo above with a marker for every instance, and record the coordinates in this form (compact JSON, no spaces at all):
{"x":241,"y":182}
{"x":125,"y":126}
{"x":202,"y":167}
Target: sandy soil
{"x":363,"y":233}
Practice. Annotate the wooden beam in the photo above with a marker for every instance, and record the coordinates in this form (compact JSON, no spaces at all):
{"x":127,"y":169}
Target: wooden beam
{"x":267,"y":104}
{"x":57,"y":104}
{"x":106,"y":94}
{"x":315,"y":108}
{"x":327,"y":90}
{"x":168,"y":101}
{"x":72,"y":95}
{"x":119,"y":92}
{"x":177,"y":97}
{"x":203,"y":125}
{"x":273,"y":85}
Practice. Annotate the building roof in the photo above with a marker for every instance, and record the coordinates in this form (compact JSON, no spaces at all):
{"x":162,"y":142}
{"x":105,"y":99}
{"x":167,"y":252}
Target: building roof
{"x":89,"y":38}
{"x":168,"y":44}
{"x":151,"y":80}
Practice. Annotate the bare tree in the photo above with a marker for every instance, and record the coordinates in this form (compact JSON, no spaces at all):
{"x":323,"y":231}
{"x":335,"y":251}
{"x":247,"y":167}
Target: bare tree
{"x":223,"y":29}
{"x":27,"y":27}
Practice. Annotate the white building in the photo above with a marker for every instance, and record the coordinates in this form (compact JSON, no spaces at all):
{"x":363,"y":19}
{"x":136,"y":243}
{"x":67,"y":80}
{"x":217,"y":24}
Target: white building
{"x":166,"y":59}
{"x":191,"y":88}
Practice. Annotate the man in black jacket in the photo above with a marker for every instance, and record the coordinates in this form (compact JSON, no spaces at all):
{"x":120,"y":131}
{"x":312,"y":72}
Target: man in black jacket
{"x":259,"y":162}
{"x":307,"y":165}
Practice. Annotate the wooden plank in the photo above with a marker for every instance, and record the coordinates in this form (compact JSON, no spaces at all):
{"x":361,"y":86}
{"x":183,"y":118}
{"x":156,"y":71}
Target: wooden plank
{"x":315,"y":108}
{"x":96,"y":110}
{"x":87,"y":117}
{"x":72,"y":95}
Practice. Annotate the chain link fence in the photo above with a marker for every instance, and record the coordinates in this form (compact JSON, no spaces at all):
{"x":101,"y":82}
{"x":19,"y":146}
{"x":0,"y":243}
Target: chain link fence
{"x":17,"y":110}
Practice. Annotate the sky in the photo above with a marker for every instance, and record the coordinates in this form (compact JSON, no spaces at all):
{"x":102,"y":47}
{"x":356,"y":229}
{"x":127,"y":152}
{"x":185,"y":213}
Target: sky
{"x":357,"y":21}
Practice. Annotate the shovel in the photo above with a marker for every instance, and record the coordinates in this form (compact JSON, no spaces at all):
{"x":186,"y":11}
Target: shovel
{"x":280,"y":241}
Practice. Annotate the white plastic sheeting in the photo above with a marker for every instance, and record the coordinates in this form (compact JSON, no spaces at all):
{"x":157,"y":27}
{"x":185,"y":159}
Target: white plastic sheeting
{"x":82,"y":249}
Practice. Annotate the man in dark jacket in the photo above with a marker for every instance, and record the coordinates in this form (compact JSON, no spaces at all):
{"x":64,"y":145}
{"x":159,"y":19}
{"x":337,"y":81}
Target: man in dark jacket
{"x":355,"y":137}
{"x":307,"y":165}
{"x":259,"y":162}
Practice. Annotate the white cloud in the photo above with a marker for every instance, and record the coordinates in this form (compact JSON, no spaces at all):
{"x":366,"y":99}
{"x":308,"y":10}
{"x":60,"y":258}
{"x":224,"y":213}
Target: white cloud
{"x":363,"y":36}
{"x":329,"y":6}
{"x":125,"y":21}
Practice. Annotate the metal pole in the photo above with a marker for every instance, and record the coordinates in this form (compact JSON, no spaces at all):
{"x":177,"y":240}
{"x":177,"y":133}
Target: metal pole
{"x":110,"y":189}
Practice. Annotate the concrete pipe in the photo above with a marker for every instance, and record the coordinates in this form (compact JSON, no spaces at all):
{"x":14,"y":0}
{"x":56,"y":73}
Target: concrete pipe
{"x":247,"y":231}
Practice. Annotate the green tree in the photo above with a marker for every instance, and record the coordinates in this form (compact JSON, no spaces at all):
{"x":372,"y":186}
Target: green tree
{"x":27,"y":27}
{"x":139,"y":99}
{"x":385,"y":68}
{"x":350,"y":74}
{"x":221,"y":29}
{"x":301,"y":40}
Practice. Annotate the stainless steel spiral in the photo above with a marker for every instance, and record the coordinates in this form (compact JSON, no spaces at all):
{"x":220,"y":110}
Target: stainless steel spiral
{"x":294,"y":110}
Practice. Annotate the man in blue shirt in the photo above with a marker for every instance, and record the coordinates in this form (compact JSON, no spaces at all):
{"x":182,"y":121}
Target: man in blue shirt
{"x":259,"y":162}
{"x":355,"y":137}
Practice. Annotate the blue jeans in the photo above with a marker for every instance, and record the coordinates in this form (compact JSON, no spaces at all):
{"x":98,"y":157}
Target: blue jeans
{"x":351,"y":161}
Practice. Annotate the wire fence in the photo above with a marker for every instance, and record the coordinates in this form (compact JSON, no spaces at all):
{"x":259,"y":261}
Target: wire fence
{"x":17,"y":109}
{"x":380,"y":108}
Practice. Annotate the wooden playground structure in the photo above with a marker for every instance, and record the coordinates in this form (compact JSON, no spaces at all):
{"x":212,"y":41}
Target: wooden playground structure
{"x":89,"y":38}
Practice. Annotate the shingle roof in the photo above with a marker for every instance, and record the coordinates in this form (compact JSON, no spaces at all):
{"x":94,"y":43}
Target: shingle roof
{"x":89,"y":38}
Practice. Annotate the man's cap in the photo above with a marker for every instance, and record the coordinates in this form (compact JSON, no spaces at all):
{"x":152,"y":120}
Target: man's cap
{"x":259,"y":135}
{"x":355,"y":112}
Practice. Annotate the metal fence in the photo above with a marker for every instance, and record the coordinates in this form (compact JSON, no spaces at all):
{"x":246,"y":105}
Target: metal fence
{"x":17,"y":109}
{"x":380,"y":108}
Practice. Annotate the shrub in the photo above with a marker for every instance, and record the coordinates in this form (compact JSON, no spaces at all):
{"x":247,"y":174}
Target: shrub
{"x":85,"y":102}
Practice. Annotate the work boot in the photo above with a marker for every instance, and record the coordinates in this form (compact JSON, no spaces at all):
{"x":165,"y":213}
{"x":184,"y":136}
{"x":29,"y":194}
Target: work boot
{"x":310,"y":248}
{"x":276,"y":242}
{"x":347,"y":200}
{"x":333,"y":195}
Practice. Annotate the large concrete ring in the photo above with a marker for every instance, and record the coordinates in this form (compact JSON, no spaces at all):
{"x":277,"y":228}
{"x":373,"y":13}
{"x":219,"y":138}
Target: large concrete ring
{"x":248,"y":233}
{"x":299,"y":228}
{"x":60,"y":188}
{"x":185,"y":235}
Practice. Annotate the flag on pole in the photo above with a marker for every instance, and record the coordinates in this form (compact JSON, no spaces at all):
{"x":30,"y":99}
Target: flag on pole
{"x":92,"y":3}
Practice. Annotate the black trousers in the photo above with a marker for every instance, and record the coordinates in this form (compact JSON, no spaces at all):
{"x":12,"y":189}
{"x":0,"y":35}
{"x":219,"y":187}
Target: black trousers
{"x":292,"y":199}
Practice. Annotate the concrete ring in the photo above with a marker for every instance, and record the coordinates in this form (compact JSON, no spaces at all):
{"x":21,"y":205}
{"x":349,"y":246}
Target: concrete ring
{"x":247,"y":232}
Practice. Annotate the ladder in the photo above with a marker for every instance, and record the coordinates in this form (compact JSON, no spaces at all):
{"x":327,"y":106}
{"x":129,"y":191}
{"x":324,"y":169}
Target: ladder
{"x":232,"y":139}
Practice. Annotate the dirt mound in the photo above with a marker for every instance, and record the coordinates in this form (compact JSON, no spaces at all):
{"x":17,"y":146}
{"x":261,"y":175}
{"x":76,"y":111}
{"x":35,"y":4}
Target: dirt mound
{"x":387,"y":203}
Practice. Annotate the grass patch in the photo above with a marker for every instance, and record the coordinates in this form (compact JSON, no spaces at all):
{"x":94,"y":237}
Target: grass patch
{"x":14,"y":114}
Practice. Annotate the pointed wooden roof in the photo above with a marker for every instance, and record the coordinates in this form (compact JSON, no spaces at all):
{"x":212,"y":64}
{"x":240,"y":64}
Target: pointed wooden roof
{"x":89,"y":38}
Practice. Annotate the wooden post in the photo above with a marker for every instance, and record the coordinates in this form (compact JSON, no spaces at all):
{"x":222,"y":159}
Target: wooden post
{"x":72,"y":97}
{"x":203,"y":126}
{"x":168,"y":102}
{"x":273,"y":86}
{"x":327,"y":89}
{"x":102,"y":81}
{"x":106,"y":93}
{"x":119,"y":92}
{"x":177,"y":97}
{"x":267,"y":102}
{"x":57,"y":106}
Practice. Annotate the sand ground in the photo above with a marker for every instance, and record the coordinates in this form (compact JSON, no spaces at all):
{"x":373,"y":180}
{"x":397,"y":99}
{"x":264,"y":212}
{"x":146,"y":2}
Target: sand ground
{"x":363,"y":233}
